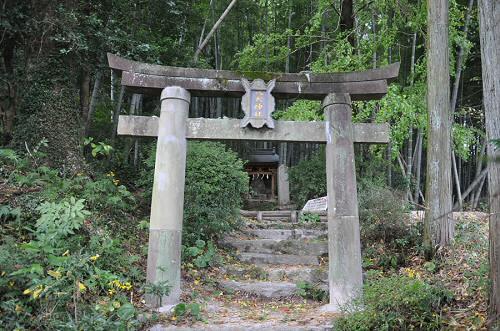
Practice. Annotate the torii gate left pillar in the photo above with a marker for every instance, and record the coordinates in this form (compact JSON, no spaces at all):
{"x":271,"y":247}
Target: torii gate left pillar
{"x":167,"y":203}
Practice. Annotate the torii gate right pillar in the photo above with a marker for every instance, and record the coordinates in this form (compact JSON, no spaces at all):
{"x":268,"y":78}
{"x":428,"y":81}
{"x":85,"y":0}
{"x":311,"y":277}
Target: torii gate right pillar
{"x":344,"y":246}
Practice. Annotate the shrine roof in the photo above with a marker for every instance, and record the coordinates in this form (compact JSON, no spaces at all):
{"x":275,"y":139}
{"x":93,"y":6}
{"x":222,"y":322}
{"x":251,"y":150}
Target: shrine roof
{"x":263,"y":156}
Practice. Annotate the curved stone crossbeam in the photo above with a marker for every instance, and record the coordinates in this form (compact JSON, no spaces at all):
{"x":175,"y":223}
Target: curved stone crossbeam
{"x":152,"y":78}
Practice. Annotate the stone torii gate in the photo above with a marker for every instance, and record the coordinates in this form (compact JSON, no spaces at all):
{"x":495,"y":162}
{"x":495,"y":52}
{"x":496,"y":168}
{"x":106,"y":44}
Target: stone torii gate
{"x":173,"y":127}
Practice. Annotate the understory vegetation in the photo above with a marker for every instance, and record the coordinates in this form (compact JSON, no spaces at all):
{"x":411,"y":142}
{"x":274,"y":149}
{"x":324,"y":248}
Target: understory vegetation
{"x":403,"y":290}
{"x":68,"y":258}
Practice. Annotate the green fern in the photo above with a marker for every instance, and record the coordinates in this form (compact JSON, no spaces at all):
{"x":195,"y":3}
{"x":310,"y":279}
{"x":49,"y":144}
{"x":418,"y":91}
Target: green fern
{"x":60,"y":219}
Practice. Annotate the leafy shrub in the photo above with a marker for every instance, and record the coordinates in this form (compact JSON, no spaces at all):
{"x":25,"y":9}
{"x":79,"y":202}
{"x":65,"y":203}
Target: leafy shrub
{"x":215,"y":186}
{"x":158,"y":289}
{"x":60,"y":219}
{"x":311,"y":291}
{"x":382,"y":213}
{"x":309,"y":218}
{"x":308,"y":179}
{"x":60,"y":267}
{"x":387,"y":236}
{"x":396,"y":303}
{"x":190,"y":311}
{"x":201,"y":255}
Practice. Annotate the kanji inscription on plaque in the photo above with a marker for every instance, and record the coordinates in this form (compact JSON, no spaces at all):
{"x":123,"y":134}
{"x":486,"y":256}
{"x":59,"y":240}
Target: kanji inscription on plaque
{"x":257,"y":103}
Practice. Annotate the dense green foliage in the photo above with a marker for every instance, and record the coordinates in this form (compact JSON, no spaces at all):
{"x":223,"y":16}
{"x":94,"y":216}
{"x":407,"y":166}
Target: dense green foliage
{"x":396,"y":303}
{"x":65,"y":260}
{"x":389,"y":239}
{"x":214,"y":190}
{"x":308,"y":179}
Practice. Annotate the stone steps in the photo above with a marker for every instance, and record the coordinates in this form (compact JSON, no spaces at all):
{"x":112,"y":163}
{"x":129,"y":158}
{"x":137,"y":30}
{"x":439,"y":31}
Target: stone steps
{"x":290,"y":259}
{"x":295,"y":274}
{"x":281,"y":234}
{"x":283,"y":215}
{"x":277,"y":246}
{"x":255,"y":326}
{"x":281,"y":225}
{"x":268,"y":290}
{"x":276,"y":273}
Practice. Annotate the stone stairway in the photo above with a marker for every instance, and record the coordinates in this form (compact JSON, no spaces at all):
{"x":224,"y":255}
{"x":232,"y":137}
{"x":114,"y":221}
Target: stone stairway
{"x":274,"y":254}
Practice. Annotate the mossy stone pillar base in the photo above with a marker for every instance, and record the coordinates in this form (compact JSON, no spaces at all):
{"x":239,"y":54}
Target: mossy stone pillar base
{"x":165,"y":231}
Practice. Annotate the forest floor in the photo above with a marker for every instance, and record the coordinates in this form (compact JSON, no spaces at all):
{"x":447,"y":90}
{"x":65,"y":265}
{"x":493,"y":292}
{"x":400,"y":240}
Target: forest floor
{"x":461,"y":268}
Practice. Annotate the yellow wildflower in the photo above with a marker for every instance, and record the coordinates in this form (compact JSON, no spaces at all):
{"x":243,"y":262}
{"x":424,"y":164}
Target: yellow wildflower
{"x":38,"y":291}
{"x":95,"y":257}
{"x":410,"y":272}
{"x":66,"y":253}
{"x":114,"y":283}
{"x":55,"y":274}
{"x":111,"y":292}
{"x":27,"y":291}
{"x":19,"y":308}
{"x":126,"y":286}
{"x":81,"y":287}
{"x":116,"y":182}
{"x":11,"y":284}
{"x":196,"y":282}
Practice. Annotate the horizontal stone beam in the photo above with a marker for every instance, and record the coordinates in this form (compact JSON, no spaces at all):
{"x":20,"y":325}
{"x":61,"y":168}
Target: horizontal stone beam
{"x":388,"y":73}
{"x":229,"y":129}
{"x":154,"y":84}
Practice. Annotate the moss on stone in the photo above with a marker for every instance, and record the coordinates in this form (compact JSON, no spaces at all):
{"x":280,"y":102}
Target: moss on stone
{"x":266,"y":76}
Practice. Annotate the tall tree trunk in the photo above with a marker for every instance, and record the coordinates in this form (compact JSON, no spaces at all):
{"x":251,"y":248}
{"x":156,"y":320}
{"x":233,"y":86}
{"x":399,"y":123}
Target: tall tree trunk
{"x":460,"y":59}
{"x":8,"y":106}
{"x":214,"y":28}
{"x":457,"y":180}
{"x":112,"y":85}
{"x":289,"y":41}
{"x":8,"y":109}
{"x":489,"y":16}
{"x":136,"y":109}
{"x":477,"y":196}
{"x":374,"y":31}
{"x":479,"y":167}
{"x":439,"y":226}
{"x":93,"y":101}
{"x":409,"y":158}
{"x":389,"y":164}
{"x":84,"y":93}
{"x":347,"y":20}
{"x":116,"y":114}
{"x":454,"y":96}
{"x":418,"y":166}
